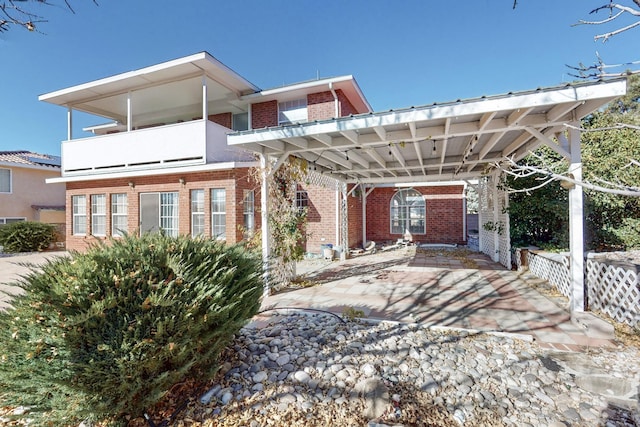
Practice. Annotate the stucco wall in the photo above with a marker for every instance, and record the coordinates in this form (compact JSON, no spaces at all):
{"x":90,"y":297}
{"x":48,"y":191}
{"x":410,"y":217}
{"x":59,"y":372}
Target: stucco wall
{"x":28,"y":189}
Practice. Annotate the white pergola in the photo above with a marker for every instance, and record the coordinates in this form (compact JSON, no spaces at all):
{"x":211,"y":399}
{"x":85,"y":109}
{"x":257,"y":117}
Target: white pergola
{"x":452,"y":141}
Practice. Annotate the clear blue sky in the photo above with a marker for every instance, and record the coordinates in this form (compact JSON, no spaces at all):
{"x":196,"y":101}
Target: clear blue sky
{"x":401,"y":52}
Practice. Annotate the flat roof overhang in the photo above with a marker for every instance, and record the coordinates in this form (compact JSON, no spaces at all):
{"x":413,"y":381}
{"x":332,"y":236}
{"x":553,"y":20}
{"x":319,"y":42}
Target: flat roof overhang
{"x":439,"y":142}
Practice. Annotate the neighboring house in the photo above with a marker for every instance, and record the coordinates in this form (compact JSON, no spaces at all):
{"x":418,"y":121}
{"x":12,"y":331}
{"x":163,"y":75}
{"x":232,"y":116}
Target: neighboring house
{"x":163,"y":162}
{"x":24,"y":195}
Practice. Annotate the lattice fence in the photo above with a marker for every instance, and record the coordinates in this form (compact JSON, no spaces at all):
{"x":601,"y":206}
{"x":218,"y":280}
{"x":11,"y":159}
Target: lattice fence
{"x":494,"y":220}
{"x":553,"y":268}
{"x":614,"y":290}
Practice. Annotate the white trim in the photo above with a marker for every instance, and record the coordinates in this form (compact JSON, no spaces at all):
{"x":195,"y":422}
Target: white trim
{"x":154,"y":172}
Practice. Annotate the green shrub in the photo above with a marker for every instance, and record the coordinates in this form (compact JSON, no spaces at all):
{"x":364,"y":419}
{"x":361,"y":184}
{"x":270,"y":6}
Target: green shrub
{"x":105,"y":334}
{"x":26,"y":236}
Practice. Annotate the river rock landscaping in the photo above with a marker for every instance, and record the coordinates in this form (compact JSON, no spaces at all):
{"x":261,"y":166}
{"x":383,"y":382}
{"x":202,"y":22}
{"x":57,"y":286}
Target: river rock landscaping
{"x":312,"y":370}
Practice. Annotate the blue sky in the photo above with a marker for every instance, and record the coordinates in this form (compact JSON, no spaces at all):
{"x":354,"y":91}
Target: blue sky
{"x":401,"y":52}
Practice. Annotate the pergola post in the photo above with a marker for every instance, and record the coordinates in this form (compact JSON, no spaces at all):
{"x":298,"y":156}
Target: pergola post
{"x":576,"y":223}
{"x":264,"y":219}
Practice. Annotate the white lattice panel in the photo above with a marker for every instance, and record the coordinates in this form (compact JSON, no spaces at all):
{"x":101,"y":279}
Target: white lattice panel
{"x":322,"y":180}
{"x":485,"y":207}
{"x":555,"y":272}
{"x":614,"y":290}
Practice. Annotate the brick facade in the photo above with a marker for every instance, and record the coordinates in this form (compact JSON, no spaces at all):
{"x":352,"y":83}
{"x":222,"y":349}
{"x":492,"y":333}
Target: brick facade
{"x":354,"y":209}
{"x":264,"y":114}
{"x":223,"y":119}
{"x":234,"y":181}
{"x":444,"y":215}
{"x":320,"y":106}
{"x":321,"y":217}
{"x":346,"y":108}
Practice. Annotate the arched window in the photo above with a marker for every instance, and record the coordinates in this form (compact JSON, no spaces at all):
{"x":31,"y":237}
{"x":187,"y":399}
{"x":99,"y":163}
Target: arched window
{"x":408,"y":212}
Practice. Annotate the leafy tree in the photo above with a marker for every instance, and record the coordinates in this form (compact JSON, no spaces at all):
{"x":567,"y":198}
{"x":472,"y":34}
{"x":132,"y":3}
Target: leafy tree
{"x":609,"y":151}
{"x":538,"y":217}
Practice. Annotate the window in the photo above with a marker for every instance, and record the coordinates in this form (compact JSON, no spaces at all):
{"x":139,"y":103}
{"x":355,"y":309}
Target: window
{"x":98,"y":214}
{"x":240,"y":121}
{"x":79,"y":219}
{"x":5,"y":180}
{"x":249,"y":211}
{"x":169,"y":213}
{"x":197,"y":212}
{"x":218,"y":213}
{"x":159,"y":211}
{"x":292,"y":111}
{"x":119,"y":214}
{"x":4,"y":221}
{"x":408,"y":212}
{"x":302,"y":199}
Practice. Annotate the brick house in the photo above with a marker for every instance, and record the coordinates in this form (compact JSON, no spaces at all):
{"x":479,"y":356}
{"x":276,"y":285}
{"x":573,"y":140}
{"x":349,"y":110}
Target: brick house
{"x":154,"y":163}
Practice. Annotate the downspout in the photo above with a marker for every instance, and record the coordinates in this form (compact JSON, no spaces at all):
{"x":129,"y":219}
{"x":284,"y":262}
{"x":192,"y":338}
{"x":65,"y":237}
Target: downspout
{"x":335,"y":100}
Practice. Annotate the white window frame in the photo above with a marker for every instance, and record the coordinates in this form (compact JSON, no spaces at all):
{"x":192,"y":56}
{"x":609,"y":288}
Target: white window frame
{"x":169,"y":213}
{"x":302,"y":199}
{"x":197,"y":212}
{"x":10,"y":220}
{"x":248,"y":211}
{"x":99,"y":215}
{"x":294,"y":111}
{"x":79,"y":215}
{"x":119,"y":214}
{"x":10,"y":180}
{"x":410,"y":207}
{"x":219,"y":213}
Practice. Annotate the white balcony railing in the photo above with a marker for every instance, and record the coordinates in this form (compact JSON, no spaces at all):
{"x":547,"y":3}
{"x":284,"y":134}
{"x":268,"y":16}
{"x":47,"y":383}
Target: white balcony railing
{"x":179,"y":144}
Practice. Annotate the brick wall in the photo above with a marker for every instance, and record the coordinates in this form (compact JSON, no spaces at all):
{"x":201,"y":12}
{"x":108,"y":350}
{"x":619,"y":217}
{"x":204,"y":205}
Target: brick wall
{"x":321,"y":106}
{"x":321,"y":217}
{"x":223,"y":119}
{"x":444,"y":215}
{"x":234,"y":181}
{"x":264,"y":114}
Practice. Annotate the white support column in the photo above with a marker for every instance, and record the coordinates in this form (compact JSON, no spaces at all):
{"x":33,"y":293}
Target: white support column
{"x":69,"y":123}
{"x":205,"y":107}
{"x":464,"y":213}
{"x":363,"y":198}
{"x":129,"y":113}
{"x":576,"y":224}
{"x":266,"y":232}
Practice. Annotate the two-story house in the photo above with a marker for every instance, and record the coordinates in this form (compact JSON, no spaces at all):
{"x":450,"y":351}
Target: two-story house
{"x":24,"y":194}
{"x":160,"y":159}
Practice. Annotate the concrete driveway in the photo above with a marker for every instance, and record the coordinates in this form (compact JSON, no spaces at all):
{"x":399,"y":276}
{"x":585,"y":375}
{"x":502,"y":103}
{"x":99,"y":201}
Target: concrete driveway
{"x":12,"y":267}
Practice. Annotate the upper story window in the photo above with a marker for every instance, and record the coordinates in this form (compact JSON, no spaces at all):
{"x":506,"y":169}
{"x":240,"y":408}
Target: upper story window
{"x":5,"y":180}
{"x":292,"y":111}
{"x":240,"y":121}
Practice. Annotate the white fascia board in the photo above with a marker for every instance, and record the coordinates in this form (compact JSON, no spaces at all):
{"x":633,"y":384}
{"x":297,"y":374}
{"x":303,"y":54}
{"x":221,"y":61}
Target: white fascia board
{"x":202,"y":60}
{"x":423,"y":184}
{"x":154,"y":172}
{"x":264,"y":94}
{"x":605,"y":91}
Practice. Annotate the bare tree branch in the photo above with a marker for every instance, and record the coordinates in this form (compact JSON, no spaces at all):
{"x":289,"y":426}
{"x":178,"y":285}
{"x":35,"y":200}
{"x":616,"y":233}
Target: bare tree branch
{"x":15,"y":13}
{"x":548,"y":173}
{"x":620,"y":11}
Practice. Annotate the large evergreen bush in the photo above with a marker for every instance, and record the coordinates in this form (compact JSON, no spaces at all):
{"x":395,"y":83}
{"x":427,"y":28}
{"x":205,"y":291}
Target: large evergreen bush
{"x":26,"y":236}
{"x":106,"y":333}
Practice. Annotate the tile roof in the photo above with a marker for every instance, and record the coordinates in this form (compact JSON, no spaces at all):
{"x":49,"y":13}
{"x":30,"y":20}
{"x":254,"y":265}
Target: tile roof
{"x":30,"y":158}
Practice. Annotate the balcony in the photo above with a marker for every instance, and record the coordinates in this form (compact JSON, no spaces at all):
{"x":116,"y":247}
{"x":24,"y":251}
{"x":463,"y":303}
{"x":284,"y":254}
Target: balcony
{"x":190,"y":143}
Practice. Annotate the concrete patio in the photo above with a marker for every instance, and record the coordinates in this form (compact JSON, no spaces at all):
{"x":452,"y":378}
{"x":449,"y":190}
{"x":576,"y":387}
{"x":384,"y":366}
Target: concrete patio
{"x":438,"y":288}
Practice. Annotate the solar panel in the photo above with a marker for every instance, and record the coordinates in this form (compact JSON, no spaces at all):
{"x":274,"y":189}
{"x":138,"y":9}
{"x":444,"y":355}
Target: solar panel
{"x":52,"y":161}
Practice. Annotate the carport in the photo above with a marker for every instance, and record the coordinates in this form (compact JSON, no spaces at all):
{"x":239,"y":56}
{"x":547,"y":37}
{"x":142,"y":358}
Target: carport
{"x":453,"y":141}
